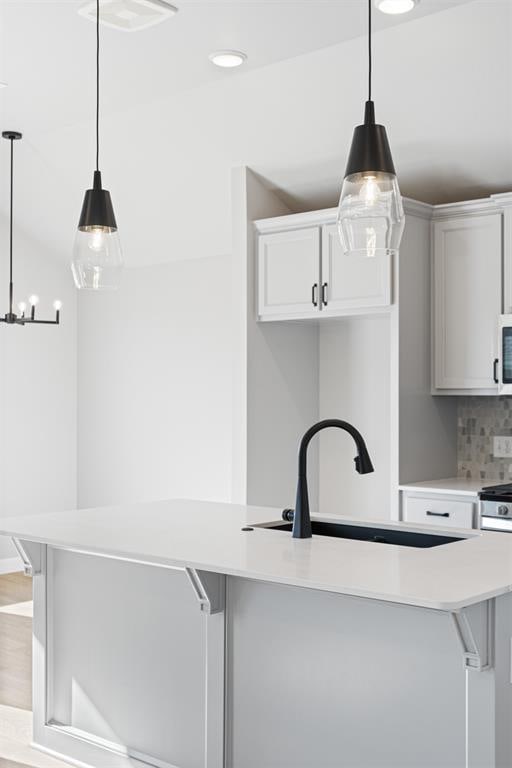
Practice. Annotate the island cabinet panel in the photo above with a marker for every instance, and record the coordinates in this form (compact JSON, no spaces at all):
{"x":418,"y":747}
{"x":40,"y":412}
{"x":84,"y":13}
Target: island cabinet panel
{"x":126,"y":659}
{"x":316,"y":680}
{"x":467,"y":292}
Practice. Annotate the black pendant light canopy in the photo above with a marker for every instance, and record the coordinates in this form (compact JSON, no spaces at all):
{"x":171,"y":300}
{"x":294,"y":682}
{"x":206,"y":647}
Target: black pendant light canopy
{"x":370,"y":147}
{"x":370,"y":212}
{"x":97,"y":257}
{"x":10,"y":317}
{"x":97,"y":210}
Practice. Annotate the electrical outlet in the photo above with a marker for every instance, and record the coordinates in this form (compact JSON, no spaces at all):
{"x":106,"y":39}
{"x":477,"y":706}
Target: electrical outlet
{"x":502,"y":448}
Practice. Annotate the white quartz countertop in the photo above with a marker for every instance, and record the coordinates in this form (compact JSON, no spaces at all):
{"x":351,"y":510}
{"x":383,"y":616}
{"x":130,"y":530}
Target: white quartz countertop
{"x":459,"y":486}
{"x":208,"y":536}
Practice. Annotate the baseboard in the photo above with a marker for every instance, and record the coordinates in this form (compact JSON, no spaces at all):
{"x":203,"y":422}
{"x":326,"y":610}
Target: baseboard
{"x":10,"y":565}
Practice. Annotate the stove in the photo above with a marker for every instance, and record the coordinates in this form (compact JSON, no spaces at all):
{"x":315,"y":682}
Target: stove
{"x":496,"y":508}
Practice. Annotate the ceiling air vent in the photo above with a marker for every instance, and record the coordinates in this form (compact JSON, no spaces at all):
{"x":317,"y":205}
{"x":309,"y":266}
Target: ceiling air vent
{"x":129,"y":15}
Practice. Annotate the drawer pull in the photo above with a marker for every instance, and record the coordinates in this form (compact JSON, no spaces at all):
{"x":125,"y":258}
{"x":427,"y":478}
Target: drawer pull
{"x":437,"y":514}
{"x":314,"y":294}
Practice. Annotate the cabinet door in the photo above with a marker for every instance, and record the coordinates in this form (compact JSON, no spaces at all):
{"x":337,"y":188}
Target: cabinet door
{"x":467,"y":301}
{"x":289,"y":273}
{"x":351,"y":282}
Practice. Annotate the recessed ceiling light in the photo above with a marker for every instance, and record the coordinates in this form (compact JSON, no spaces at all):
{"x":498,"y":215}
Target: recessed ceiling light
{"x":227,"y":59}
{"x":396,"y":6}
{"x":129,"y":15}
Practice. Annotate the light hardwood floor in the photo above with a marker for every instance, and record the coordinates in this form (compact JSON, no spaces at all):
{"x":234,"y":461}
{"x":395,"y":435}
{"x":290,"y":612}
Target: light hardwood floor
{"x":15,"y":677}
{"x":15,"y":643}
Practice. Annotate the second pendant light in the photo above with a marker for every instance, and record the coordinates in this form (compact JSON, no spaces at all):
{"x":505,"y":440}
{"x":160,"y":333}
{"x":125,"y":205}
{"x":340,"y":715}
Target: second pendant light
{"x":370,"y":213}
{"x":97,"y":257}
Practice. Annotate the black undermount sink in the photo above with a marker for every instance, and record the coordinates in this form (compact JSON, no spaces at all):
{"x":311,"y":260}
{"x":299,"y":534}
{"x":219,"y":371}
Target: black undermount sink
{"x":378,"y":535}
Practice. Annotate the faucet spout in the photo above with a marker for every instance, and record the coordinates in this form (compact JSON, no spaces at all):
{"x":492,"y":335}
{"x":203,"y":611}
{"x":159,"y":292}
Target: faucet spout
{"x":363,"y":465}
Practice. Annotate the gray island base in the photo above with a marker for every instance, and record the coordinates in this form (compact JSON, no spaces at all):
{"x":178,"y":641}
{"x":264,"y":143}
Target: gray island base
{"x":164,"y":635}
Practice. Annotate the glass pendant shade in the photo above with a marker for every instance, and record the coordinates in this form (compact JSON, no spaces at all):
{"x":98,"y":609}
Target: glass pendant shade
{"x":97,"y":257}
{"x":370,"y":213}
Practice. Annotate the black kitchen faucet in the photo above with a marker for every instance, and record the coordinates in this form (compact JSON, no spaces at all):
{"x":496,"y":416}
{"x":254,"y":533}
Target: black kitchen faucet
{"x":301,"y":517}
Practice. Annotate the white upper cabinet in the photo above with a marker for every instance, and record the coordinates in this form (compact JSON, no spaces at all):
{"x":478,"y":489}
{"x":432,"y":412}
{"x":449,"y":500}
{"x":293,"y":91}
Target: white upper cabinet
{"x":289,"y":272}
{"x":467,"y":302}
{"x":303,"y":272}
{"x":352,"y":282}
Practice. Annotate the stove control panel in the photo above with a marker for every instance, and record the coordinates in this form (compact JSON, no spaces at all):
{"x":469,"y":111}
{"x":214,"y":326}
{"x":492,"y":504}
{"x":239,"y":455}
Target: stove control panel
{"x":496,"y":509}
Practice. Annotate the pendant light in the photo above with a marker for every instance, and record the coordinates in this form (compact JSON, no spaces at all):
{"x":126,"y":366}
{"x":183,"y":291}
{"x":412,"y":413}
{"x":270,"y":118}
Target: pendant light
{"x":11,"y":318}
{"x":97,"y":257}
{"x":370,"y":212}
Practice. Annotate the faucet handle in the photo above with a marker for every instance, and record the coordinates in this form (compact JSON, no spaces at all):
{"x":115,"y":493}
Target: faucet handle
{"x":287,"y":515}
{"x":363,"y":462}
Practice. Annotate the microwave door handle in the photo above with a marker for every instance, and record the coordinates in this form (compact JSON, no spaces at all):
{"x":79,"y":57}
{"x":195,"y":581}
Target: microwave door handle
{"x":495,"y":370}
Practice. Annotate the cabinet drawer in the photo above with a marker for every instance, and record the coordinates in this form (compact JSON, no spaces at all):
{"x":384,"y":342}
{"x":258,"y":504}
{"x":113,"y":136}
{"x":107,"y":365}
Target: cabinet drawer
{"x":441,"y":512}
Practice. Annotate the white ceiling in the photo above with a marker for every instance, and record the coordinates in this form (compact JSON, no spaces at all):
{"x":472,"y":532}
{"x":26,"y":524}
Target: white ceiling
{"x":48,"y":52}
{"x":174,"y":125}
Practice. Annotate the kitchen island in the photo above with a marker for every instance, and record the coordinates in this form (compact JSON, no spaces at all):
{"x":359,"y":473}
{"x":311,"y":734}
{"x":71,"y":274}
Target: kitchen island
{"x":185,"y":634}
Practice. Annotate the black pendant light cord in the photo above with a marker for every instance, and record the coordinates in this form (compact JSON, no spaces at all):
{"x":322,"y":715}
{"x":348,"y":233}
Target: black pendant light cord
{"x":369,"y":50}
{"x":97,"y":85}
{"x":11,"y":289}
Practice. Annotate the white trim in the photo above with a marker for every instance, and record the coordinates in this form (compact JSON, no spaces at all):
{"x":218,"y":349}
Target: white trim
{"x":480,"y":207}
{"x":418,"y":208}
{"x":110,"y":746}
{"x":492,"y":204}
{"x":295,"y":221}
{"x":11,"y":565}
{"x":503,"y":198}
{"x":328,"y":216}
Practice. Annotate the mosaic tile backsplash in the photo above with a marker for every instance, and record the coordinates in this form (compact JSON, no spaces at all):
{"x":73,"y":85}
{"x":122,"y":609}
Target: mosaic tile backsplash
{"x":479,"y":420}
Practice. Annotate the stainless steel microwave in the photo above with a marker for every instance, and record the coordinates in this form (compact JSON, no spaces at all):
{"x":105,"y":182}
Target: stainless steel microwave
{"x":503,"y":363}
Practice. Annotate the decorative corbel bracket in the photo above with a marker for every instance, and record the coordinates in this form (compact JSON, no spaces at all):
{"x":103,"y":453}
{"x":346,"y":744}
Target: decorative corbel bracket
{"x":31,"y":556}
{"x":209,"y":588}
{"x":475,"y":629}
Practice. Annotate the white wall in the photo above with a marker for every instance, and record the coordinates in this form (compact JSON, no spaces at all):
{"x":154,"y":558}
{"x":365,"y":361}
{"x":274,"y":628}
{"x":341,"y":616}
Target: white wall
{"x":428,"y":425}
{"x":155,"y":385}
{"x":37,"y":390}
{"x":275,"y":378}
{"x":355,"y":386}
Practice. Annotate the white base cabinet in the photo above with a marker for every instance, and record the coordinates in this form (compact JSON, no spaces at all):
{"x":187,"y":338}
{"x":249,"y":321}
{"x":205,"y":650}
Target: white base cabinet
{"x":439,"y":510}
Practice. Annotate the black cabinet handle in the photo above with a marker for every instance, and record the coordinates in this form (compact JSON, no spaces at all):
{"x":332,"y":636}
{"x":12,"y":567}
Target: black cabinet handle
{"x":438,"y":514}
{"x":494,"y":370}
{"x":324,"y":294}
{"x":314,"y":295}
